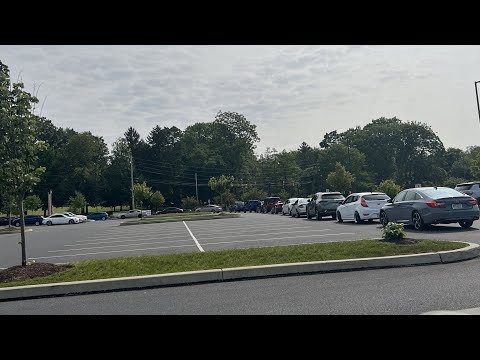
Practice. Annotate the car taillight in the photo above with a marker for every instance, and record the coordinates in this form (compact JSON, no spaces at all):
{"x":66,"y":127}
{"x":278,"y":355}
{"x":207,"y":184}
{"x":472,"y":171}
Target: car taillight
{"x":434,"y":204}
{"x":363,"y":202}
{"x":473,"y":202}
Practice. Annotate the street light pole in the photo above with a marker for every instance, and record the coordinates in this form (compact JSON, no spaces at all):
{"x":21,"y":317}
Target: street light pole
{"x":478,"y":104}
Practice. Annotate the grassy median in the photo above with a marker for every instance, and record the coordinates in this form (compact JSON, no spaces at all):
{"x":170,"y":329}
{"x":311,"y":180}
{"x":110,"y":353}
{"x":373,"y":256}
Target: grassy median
{"x":169,"y":263}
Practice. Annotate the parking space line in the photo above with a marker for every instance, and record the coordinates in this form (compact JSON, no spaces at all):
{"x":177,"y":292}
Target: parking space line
{"x":275,"y":239}
{"x":131,"y":238}
{"x":126,"y":241}
{"x":109,"y":252}
{"x":114,"y":246}
{"x":194,"y":238}
{"x":265,"y":234}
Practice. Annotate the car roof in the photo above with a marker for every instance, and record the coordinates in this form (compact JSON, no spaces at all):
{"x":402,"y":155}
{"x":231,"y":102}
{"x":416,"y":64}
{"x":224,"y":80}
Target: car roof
{"x":469,"y":183}
{"x":329,"y":192}
{"x":368,"y":193}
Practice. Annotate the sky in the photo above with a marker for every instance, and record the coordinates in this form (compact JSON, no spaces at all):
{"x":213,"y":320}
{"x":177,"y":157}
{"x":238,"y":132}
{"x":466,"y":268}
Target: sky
{"x":292,"y":93}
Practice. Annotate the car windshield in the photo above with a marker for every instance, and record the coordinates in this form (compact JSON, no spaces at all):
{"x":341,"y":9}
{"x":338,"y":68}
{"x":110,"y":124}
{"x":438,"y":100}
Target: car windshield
{"x":376,"y":197}
{"x":302,"y":201}
{"x":442,"y":193}
{"x":333,"y":197}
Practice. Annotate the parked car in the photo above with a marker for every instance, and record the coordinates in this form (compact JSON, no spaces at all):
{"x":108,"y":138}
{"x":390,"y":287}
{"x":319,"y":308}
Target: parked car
{"x":252,"y":205}
{"x":98,"y":216}
{"x":210,"y":208}
{"x":430,"y":205}
{"x":56,"y":219}
{"x":362,"y":206}
{"x":277,"y":207}
{"x":324,"y":204}
{"x":29,"y":220}
{"x":268,"y":203}
{"x":169,"y":210}
{"x":287,"y":206}
{"x":132,"y":214}
{"x":299,"y":207}
{"x":470,"y":188}
{"x":4,"y":221}
{"x":82,"y":218}
{"x":238,"y":206}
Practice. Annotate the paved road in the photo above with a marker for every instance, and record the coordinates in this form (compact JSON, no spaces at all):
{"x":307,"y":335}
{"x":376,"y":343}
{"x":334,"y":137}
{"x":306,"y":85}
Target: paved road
{"x":105,"y":239}
{"x":412,"y":290}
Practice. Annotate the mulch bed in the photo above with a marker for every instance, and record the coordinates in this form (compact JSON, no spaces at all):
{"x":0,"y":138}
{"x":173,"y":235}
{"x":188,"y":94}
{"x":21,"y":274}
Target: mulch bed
{"x":20,"y":273}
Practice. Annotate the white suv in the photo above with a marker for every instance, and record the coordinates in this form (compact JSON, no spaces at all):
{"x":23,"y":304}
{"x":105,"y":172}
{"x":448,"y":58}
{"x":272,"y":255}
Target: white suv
{"x":362,"y":206}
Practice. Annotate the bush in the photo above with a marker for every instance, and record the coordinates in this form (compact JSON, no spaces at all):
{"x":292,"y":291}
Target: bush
{"x":393,"y":231}
{"x":389,"y":187}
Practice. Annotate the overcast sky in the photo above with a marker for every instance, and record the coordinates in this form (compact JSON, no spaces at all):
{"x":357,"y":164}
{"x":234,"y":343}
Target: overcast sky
{"x":292,"y":93}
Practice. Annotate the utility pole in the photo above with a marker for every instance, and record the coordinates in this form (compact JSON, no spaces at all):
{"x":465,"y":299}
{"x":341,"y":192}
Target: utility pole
{"x":196,"y":188}
{"x":131,"y":179}
{"x":478,"y":104}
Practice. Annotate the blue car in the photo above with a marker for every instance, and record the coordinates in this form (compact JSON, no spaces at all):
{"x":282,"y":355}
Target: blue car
{"x":98,"y":216}
{"x":29,"y":220}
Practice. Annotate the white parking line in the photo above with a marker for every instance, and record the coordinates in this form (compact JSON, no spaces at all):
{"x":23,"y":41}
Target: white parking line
{"x":132,"y":237}
{"x":126,"y":235}
{"x":249,"y":228}
{"x":275,"y":239}
{"x":272,"y":233}
{"x":194,"y":238}
{"x":114,"y":246}
{"x":126,"y":241}
{"x":109,"y":252}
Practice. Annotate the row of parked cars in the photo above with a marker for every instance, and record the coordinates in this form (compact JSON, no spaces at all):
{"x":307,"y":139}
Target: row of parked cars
{"x":54,"y":219}
{"x":415,"y":206}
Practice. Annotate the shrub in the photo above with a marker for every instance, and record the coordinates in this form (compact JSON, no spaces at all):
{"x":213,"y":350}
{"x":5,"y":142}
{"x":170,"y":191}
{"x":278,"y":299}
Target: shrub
{"x":393,"y":231}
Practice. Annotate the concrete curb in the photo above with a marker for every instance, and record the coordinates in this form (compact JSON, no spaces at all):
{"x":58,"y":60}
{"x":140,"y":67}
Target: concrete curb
{"x":218,"y":275}
{"x":14,"y":232}
{"x":214,"y":217}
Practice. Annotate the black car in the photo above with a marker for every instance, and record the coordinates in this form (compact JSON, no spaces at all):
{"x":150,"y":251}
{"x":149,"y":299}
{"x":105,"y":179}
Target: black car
{"x":4,"y":221}
{"x":238,"y":206}
{"x":252,"y":205}
{"x":170,"y":210}
{"x":29,"y":220}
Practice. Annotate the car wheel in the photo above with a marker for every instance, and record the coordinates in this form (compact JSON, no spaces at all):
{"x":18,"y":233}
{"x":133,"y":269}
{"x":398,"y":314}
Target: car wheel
{"x":49,"y":223}
{"x":139,"y":216}
{"x":17,"y":224}
{"x":122,"y":217}
{"x":370,"y":221}
{"x":383,"y":218}
{"x":334,"y":216}
{"x":317,"y":215}
{"x":417,"y":221}
{"x":357,"y":218}
{"x":339,"y":217}
{"x":104,"y":218}
{"x":308,"y":215}
{"x":298,"y":214}
{"x":37,"y":223}
{"x":466,"y":223}
{"x":71,"y":221}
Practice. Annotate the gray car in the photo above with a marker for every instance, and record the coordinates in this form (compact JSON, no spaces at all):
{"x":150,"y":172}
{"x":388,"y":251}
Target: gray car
{"x":430,"y":205}
{"x":470,"y":188}
{"x":324,"y":204}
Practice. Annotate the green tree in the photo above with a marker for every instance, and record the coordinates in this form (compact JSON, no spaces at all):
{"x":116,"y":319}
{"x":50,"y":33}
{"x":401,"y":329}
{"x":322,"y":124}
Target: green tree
{"x":389,"y":187}
{"x":221,"y":185}
{"x":157,"y":199}
{"x":117,"y":175}
{"x":19,"y":147}
{"x":252,"y":193}
{"x":475,"y":167}
{"x":33,"y":202}
{"x":189,"y":203}
{"x":141,"y":192}
{"x":226,"y":199}
{"x":77,"y":203}
{"x":283,"y":195}
{"x":340,"y":179}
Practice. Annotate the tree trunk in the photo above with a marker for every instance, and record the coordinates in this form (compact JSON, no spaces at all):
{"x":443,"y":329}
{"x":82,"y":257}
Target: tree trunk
{"x":86,"y":208}
{"x":22,"y":229}
{"x":10,"y":217}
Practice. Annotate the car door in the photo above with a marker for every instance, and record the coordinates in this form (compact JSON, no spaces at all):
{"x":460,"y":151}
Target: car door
{"x":349,"y":207}
{"x":394,"y":209}
{"x":312,"y":205}
{"x":408,"y":205}
{"x":344,"y":207}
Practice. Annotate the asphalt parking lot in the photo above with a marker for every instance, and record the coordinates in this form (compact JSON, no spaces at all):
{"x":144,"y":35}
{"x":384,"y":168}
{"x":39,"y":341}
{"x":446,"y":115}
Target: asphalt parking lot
{"x":105,"y":239}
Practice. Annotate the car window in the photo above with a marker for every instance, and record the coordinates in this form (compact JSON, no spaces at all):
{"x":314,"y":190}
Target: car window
{"x":348,"y":200}
{"x":333,"y":197}
{"x":376,"y":197}
{"x":439,"y":193}
{"x":410,"y":196}
{"x":314,"y":197}
{"x":355,"y":198}
{"x":400,"y":196}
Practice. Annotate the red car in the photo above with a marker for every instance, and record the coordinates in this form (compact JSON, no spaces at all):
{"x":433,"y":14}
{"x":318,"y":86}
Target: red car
{"x":277,"y":207}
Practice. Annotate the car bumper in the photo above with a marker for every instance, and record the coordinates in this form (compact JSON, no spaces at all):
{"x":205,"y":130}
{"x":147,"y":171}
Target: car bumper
{"x":370,"y":215}
{"x":327,"y":212}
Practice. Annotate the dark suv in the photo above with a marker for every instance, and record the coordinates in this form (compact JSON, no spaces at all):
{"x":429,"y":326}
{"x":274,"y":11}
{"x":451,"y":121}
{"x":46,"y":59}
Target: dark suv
{"x":470,"y":188}
{"x":29,"y":220}
{"x":324,"y":204}
{"x":268,"y":203}
{"x":252,"y":205}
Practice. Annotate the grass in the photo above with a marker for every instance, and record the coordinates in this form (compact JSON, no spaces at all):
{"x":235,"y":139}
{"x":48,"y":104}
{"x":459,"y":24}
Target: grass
{"x":169,"y":263}
{"x":177,"y":217}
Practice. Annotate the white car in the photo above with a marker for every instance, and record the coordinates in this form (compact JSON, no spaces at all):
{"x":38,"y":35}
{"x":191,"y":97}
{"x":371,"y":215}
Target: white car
{"x":135,"y":213}
{"x":287,"y":206}
{"x":209,"y":208}
{"x":57,"y":219}
{"x":361,"y":206}
{"x":299,"y":207}
{"x":82,"y":218}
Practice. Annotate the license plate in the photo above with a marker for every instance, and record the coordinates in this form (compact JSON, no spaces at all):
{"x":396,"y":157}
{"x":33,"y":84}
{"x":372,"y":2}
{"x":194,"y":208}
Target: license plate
{"x":456,"y":206}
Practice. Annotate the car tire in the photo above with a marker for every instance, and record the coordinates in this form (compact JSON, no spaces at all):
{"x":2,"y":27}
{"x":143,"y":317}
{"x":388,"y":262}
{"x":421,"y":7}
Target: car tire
{"x":71,"y":221}
{"x":17,"y":224}
{"x":49,"y":223}
{"x":383,"y":218}
{"x":38,"y":223}
{"x":417,"y":221}
{"x":308,"y":215}
{"x":339,"y":217}
{"x":466,"y":223}
{"x":298,"y":214}
{"x":139,"y":216}
{"x":370,"y":221}
{"x":357,"y":218}
{"x":122,"y":217}
{"x":317,"y":215}
{"x":104,"y":218}
{"x":334,"y":216}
